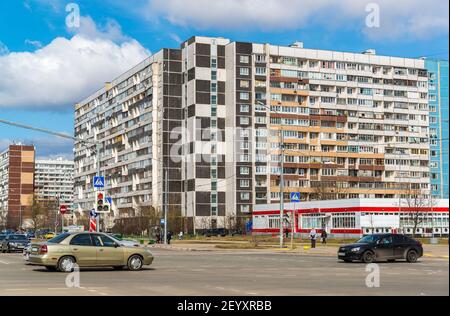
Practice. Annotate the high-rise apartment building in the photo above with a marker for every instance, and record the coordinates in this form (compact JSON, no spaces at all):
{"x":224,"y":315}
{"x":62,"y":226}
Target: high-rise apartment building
{"x":208,"y":118}
{"x":53,"y":180}
{"x":16,"y":185}
{"x":439,"y":131}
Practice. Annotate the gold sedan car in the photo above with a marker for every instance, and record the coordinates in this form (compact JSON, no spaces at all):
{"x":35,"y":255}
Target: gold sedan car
{"x":67,"y":250}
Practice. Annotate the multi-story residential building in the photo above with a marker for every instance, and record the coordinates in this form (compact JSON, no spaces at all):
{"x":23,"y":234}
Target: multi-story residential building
{"x":209,"y":117}
{"x":16,"y":185}
{"x":53,"y":180}
{"x":439,"y":131}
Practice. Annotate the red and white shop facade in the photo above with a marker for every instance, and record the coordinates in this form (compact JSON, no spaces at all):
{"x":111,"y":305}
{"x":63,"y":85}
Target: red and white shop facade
{"x":353,"y":218}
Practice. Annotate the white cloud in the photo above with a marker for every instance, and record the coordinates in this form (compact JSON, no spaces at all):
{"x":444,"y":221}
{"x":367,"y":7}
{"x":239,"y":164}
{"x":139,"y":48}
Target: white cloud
{"x":46,"y":147}
{"x":36,"y":44}
{"x":399,"y":18}
{"x":66,"y":70}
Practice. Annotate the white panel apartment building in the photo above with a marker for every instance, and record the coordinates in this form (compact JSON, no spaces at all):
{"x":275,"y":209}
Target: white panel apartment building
{"x":53,"y":180}
{"x":354,"y":125}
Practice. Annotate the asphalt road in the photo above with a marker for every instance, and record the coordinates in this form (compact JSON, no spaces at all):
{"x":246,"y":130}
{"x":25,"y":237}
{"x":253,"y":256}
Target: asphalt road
{"x":231,"y":274}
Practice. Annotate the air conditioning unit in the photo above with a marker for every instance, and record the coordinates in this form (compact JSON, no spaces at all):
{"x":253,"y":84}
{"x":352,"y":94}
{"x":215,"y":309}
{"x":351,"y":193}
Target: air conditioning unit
{"x":409,"y":230}
{"x":388,"y":230}
{"x":419,"y":230}
{"x":368,"y":231}
{"x":445,"y":230}
{"x":438,"y":231}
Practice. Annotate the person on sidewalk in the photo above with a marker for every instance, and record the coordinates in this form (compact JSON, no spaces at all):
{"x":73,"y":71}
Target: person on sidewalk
{"x":180,"y":236}
{"x":313,"y":237}
{"x":169,"y":237}
{"x":324,"y":237}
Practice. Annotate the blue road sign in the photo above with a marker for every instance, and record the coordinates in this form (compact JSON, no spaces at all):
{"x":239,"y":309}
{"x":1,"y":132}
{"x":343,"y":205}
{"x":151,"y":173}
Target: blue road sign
{"x":295,"y":197}
{"x":162,"y":221}
{"x":109,"y":200}
{"x":99,"y":182}
{"x":93,"y":213}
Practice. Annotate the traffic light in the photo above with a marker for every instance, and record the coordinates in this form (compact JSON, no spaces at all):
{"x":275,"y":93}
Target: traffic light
{"x":101,"y":203}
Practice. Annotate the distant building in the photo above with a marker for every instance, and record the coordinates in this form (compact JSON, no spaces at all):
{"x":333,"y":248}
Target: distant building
{"x":16,"y":185}
{"x":439,"y":131}
{"x":53,"y":180}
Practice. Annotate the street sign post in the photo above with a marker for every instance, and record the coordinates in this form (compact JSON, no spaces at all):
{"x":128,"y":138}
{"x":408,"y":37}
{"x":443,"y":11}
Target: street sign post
{"x":295,"y":198}
{"x":63,"y":209}
{"x":99,"y":182}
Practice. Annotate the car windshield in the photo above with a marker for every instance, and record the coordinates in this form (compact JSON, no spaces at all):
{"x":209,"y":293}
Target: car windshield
{"x":58,"y":239}
{"x":369,"y":239}
{"x":18,"y":237}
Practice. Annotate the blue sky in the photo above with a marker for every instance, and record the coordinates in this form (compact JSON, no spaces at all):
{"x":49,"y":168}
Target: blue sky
{"x":46,"y":66}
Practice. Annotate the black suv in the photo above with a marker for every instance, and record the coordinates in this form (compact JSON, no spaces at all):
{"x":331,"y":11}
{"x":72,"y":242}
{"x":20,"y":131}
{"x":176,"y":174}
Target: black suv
{"x":380,"y":247}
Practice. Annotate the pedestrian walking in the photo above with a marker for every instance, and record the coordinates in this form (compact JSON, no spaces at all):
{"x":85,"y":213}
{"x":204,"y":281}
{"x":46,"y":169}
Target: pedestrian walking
{"x":313,"y":237}
{"x":158,"y":238}
{"x":169,"y":237}
{"x":324,"y":236}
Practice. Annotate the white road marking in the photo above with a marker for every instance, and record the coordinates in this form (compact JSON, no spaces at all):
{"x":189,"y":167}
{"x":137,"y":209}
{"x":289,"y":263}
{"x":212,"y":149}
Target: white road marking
{"x":4,"y":262}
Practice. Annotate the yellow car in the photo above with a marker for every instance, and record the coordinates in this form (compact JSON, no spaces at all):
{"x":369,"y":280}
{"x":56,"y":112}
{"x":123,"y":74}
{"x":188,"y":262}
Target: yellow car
{"x":49,"y":236}
{"x":68,"y":250}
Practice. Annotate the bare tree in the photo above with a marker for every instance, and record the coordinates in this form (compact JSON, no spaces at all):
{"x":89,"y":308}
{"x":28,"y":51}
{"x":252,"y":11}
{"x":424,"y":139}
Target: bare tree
{"x":3,"y":219}
{"x":40,"y":212}
{"x":417,"y":201}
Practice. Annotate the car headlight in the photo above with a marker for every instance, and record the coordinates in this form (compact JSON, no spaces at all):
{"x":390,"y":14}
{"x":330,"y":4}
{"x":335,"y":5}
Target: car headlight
{"x":13,"y":244}
{"x":356,"y":249}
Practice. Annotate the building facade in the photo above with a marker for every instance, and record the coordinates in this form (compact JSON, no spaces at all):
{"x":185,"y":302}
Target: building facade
{"x":355,"y":218}
{"x":16,"y":185}
{"x":53,"y":180}
{"x":204,"y":123}
{"x":439,"y":131}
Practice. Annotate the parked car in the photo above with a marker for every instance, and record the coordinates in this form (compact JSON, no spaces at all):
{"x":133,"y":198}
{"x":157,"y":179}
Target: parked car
{"x":14,"y":242}
{"x":381,"y":247}
{"x":219,"y":232}
{"x":49,"y":235}
{"x":2,"y":237}
{"x":87,"y":250}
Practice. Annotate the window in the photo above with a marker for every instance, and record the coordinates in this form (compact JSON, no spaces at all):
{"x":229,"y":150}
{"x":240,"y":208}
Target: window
{"x":260,"y":71}
{"x":214,"y":75}
{"x":214,"y":63}
{"x":245,"y":170}
{"x":244,"y":59}
{"x":245,"y":196}
{"x":81,"y":240}
{"x":244,"y":71}
{"x":245,"y":96}
{"x":245,"y":208}
{"x":244,"y":183}
{"x":245,"y":108}
{"x":213,"y":87}
{"x":244,"y":120}
{"x":244,"y":84}
{"x":103,"y":241}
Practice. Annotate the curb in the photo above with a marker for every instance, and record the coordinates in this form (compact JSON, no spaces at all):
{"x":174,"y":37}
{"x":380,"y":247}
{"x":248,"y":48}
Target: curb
{"x":428,"y":255}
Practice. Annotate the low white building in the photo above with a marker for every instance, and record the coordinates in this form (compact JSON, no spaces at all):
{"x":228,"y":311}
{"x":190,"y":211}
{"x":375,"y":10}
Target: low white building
{"x":354,"y":218}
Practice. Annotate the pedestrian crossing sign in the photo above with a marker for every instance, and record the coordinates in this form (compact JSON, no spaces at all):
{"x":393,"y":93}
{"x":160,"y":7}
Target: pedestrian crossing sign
{"x":99,"y":182}
{"x":295,"y":197}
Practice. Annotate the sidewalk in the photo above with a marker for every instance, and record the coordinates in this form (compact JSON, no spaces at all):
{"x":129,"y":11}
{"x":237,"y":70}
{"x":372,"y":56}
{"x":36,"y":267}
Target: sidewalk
{"x":430,"y":251}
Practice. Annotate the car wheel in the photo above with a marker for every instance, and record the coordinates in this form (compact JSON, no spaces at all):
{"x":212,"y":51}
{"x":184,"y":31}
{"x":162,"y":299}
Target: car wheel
{"x":412,"y":256}
{"x":50,"y":268}
{"x":66,"y":264}
{"x":135,"y":263}
{"x":368,"y":257}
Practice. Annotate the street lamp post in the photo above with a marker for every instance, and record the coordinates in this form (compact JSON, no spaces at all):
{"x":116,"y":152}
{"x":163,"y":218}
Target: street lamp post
{"x":281,"y":144}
